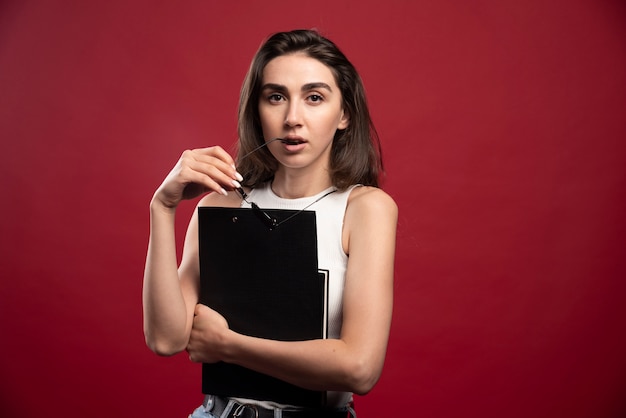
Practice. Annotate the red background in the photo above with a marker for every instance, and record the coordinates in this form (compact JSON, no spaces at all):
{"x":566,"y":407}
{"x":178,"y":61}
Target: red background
{"x":503,"y":126}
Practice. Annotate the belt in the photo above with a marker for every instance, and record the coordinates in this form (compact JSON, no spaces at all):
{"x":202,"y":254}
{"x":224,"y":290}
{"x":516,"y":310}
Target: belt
{"x":217,"y":405}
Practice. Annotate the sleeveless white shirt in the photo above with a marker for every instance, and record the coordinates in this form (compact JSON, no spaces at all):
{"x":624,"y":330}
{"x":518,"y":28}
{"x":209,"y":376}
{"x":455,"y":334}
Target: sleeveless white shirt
{"x":329,"y":213}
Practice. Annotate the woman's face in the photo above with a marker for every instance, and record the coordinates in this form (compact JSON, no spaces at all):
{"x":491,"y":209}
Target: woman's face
{"x":300,"y":101}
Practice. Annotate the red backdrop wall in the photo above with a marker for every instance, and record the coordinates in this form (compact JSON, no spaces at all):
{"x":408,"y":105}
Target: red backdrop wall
{"x":503,"y":131}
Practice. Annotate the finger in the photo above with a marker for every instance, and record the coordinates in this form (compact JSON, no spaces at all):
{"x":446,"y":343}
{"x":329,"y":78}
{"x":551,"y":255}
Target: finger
{"x":197,"y":182}
{"x":216,"y":169}
{"x":207,"y":174}
{"x":198,"y":308}
{"x":224,"y":160}
{"x":192,"y":356}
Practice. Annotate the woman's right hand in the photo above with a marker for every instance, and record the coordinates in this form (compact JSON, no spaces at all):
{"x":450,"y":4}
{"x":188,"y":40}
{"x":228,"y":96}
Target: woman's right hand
{"x":197,"y":172}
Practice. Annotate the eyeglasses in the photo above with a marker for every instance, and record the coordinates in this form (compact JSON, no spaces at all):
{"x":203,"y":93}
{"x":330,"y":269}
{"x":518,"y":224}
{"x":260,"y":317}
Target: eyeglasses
{"x":268,"y":220}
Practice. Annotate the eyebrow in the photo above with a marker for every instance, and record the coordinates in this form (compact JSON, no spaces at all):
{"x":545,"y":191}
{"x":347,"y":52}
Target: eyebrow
{"x":305,"y":87}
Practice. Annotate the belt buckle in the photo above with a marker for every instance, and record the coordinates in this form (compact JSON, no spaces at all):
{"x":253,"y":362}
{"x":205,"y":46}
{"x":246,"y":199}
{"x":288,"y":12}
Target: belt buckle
{"x":242,"y":408}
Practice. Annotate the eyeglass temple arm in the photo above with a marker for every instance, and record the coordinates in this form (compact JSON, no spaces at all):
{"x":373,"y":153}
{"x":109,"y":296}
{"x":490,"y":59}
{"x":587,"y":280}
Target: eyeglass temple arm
{"x":270,"y":222}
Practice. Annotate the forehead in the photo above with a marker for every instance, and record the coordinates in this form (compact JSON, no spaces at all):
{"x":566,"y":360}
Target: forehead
{"x":297,"y":69}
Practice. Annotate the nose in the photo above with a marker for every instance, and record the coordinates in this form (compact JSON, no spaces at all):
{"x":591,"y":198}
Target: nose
{"x":294,"y":115}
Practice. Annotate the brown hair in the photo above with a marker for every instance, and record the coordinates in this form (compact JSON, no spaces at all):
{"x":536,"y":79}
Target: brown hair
{"x":355,"y":154}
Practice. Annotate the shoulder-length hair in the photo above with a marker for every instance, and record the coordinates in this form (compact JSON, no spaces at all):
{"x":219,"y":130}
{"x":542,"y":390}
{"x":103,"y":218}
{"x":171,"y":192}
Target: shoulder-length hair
{"x":355,"y":153}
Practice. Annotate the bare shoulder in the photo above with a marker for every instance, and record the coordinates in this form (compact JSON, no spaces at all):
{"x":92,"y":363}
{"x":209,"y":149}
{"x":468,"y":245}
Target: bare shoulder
{"x":371,"y":216}
{"x":233,"y":200}
{"x":366,"y":199}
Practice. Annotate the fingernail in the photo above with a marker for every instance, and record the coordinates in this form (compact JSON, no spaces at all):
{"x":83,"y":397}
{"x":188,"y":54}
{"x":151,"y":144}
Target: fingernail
{"x":238,"y":176}
{"x":224,"y":192}
{"x":236,"y":184}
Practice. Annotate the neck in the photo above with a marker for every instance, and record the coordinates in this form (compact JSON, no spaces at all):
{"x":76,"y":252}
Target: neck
{"x":293,"y":185}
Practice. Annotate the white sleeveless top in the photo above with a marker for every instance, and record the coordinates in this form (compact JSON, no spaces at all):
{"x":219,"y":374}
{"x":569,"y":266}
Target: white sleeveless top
{"x":329,"y":213}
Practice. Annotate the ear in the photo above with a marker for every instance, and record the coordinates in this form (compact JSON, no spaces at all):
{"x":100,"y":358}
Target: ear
{"x":344,"y":122}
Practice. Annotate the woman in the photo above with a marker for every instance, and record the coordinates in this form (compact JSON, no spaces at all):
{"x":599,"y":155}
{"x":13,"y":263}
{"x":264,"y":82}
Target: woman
{"x":301,"y":89}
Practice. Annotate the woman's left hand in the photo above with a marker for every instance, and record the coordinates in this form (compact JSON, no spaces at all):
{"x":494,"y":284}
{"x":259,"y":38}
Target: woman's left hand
{"x":206,"y":341}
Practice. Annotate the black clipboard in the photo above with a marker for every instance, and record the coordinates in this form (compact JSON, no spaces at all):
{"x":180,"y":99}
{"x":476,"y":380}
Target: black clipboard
{"x":266,"y":283}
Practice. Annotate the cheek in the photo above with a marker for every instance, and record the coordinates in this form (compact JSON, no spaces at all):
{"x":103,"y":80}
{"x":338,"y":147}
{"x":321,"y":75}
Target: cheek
{"x":265,"y":122}
{"x":270,"y":118}
{"x":337,"y":122}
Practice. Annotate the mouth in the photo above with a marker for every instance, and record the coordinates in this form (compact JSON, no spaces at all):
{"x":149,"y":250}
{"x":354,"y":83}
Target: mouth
{"x":292,"y":141}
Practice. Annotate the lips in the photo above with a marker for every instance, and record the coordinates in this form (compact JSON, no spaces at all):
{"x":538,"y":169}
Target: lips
{"x":292,"y":141}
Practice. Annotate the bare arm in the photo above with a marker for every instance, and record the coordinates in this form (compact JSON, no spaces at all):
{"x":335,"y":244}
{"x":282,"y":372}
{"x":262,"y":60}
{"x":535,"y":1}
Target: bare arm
{"x":169,"y":293}
{"x":355,"y":360}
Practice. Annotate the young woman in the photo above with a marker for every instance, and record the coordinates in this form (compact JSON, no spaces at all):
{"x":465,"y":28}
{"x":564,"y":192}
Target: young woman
{"x":302,"y":90}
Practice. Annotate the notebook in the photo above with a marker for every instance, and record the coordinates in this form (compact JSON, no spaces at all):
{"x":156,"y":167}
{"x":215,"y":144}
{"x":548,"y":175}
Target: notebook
{"x":266,"y":283}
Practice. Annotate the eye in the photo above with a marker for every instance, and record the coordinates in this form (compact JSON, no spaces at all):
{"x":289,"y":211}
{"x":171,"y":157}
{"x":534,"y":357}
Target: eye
{"x":275,"y":97}
{"x":315,"y":98}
